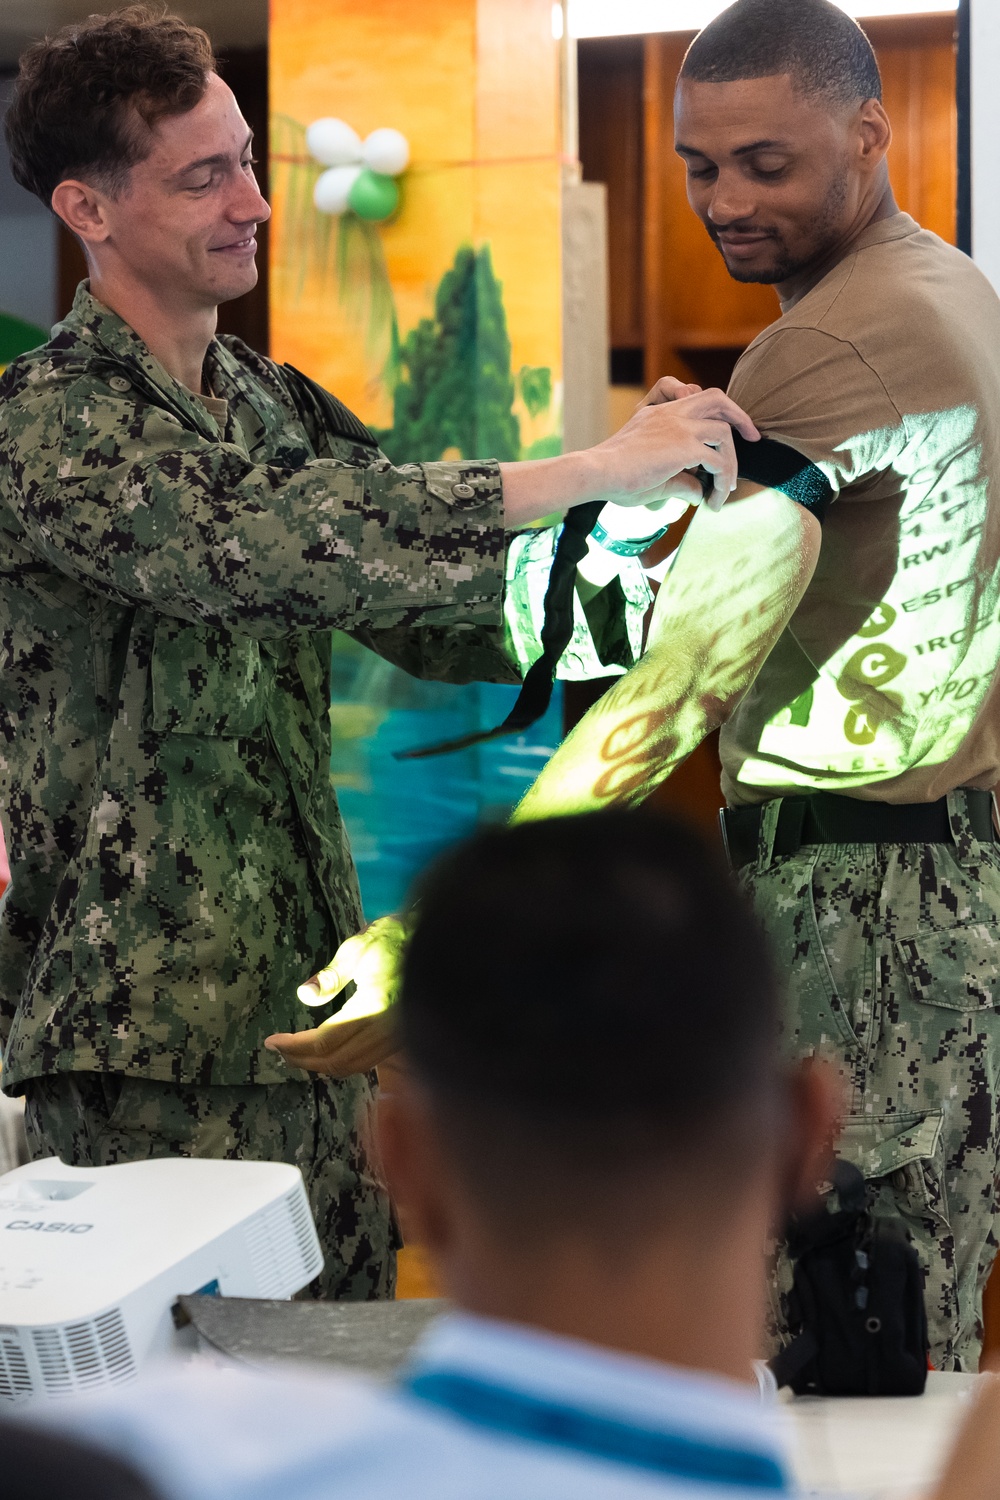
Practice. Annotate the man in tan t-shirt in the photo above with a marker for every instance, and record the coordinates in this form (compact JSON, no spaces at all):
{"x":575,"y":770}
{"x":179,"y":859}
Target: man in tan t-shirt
{"x":853,"y":665}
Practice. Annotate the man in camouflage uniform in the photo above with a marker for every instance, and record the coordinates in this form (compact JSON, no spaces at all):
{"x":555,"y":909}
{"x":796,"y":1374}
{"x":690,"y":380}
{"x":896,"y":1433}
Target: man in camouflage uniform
{"x":852,"y":663}
{"x":182,"y":524}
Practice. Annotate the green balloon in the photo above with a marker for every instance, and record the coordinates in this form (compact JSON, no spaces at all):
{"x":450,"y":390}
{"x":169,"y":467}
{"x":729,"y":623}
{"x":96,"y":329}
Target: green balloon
{"x":373,"y":196}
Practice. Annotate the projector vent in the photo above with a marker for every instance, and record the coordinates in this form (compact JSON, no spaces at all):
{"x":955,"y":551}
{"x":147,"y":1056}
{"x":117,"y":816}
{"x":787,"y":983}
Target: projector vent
{"x":305,"y":1233}
{"x":82,"y":1355}
{"x":52,"y":1358}
{"x":283,"y":1249}
{"x":114,"y":1343}
{"x":15,"y":1377}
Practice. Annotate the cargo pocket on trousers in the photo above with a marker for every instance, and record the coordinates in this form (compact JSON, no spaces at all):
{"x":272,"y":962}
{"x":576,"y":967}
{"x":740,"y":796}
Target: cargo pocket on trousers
{"x":955,"y":968}
{"x":901,"y":1160}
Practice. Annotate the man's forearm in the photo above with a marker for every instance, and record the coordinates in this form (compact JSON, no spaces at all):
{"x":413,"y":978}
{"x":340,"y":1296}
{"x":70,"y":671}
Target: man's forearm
{"x":540,"y":487}
{"x":629,"y":742}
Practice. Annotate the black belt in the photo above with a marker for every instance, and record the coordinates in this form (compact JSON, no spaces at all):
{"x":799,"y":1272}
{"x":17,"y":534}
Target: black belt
{"x":828,"y":818}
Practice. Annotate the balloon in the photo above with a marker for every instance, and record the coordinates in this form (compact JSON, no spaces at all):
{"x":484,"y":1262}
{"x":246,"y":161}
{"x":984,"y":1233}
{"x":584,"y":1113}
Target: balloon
{"x":333,"y":189}
{"x":373,"y":196}
{"x":386,"y":151}
{"x":333,"y":143}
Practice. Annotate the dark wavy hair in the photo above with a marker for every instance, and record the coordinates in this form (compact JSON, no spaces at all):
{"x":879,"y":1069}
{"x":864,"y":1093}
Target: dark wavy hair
{"x":87,"y":97}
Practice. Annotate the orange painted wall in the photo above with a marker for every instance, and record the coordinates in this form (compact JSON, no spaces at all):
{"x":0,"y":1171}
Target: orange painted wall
{"x":474,"y":86}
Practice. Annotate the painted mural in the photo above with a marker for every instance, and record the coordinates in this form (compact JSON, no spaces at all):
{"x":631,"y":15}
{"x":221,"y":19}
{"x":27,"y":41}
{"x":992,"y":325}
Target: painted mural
{"x":416,"y":182}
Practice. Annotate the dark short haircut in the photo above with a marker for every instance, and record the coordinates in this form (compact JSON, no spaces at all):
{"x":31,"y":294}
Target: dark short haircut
{"x":87,"y":98}
{"x":585,"y":999}
{"x":823,"y":49}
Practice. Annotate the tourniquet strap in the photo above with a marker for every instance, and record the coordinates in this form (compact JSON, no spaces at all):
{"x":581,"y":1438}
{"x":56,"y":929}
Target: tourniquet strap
{"x":556,"y":634}
{"x":781,"y":468}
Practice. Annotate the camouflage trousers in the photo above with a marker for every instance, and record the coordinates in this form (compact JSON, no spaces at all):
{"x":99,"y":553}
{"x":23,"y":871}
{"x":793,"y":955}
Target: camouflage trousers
{"x":322,"y":1126}
{"x":892,"y":954}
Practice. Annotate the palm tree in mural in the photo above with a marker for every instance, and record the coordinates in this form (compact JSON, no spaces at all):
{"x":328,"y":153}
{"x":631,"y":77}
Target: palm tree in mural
{"x":455,"y":389}
{"x":16,"y":336}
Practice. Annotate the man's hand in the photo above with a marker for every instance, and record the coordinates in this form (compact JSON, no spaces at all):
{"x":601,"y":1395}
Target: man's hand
{"x":668,"y":389}
{"x":339,"y":1047}
{"x":362,"y":1033}
{"x":643,"y":463}
{"x":369,"y":958}
{"x":666,"y":436}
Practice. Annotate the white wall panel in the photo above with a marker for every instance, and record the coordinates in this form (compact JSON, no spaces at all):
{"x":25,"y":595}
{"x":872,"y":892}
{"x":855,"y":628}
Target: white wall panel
{"x":986,"y":136}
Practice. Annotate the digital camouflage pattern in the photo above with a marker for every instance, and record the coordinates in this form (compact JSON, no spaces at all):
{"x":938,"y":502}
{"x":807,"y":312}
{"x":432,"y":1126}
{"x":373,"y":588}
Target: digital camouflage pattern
{"x":179,"y":865}
{"x":319,"y":1126}
{"x":891,"y":956}
{"x":177,"y":857}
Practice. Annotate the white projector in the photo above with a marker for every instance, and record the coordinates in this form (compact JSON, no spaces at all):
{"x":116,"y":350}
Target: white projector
{"x":92,"y":1260}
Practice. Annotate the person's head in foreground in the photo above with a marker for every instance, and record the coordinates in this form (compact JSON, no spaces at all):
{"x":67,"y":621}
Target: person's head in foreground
{"x":778,"y":117}
{"x":597,"y":1133}
{"x":121,"y":124}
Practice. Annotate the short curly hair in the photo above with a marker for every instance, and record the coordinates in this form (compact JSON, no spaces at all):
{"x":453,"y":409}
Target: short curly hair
{"x":87,"y":97}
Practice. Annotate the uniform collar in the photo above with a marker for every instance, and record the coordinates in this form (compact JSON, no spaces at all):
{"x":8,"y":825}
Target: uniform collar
{"x":97,"y":325}
{"x":570,"y":1374}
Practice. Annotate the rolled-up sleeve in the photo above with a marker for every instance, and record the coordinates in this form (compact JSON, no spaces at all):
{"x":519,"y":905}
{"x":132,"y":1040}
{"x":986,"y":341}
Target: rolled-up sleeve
{"x":126,"y":499}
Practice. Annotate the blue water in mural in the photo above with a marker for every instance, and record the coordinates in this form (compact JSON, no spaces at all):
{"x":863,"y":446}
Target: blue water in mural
{"x":400,"y":814}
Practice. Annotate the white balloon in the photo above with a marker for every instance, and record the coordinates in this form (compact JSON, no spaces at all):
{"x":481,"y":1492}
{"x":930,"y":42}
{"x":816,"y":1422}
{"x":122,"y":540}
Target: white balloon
{"x":333,"y":142}
{"x":386,"y":151}
{"x":332,"y":189}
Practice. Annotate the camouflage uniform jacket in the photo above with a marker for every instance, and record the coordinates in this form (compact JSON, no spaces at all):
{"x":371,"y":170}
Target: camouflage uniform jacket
{"x":178,"y":860}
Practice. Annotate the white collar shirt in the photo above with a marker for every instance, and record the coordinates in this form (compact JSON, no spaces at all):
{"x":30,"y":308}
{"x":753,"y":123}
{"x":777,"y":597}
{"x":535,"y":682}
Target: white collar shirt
{"x":551,"y":1417}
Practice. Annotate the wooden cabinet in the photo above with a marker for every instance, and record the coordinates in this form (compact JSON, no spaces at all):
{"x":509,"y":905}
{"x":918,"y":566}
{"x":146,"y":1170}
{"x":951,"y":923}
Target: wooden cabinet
{"x":612,"y":141}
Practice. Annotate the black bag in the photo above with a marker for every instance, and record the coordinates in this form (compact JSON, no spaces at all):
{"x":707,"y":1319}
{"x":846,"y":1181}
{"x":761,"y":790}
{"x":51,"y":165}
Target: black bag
{"x":856,"y":1310}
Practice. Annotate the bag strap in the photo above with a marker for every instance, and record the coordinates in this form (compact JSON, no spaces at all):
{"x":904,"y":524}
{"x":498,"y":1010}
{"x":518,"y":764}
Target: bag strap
{"x":315,"y":404}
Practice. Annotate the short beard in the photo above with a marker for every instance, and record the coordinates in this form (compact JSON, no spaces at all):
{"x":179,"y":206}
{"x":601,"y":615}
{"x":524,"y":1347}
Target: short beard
{"x":825,"y":236}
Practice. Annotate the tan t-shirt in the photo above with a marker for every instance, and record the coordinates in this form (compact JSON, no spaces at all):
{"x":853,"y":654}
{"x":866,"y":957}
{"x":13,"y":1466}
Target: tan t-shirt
{"x":886,"y":373}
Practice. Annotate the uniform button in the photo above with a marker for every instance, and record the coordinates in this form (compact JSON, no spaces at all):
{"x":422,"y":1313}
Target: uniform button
{"x":119,"y":383}
{"x":462,"y":491}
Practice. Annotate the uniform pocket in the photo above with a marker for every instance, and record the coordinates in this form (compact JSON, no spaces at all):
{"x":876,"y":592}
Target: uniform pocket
{"x":881,"y":1145}
{"x":955,"y":969}
{"x":901,"y":1158}
{"x":205,"y":681}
